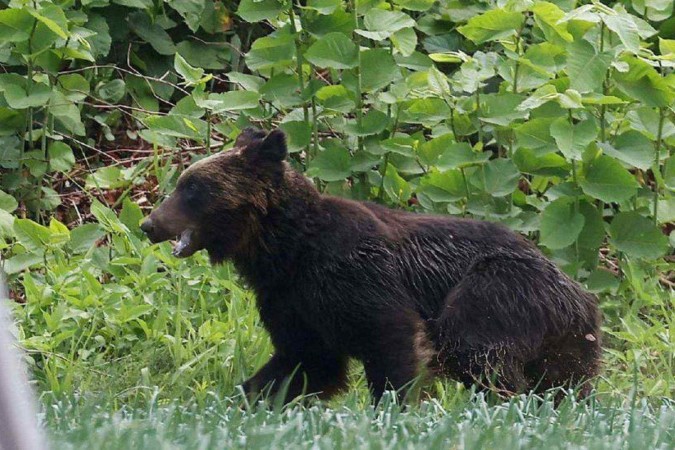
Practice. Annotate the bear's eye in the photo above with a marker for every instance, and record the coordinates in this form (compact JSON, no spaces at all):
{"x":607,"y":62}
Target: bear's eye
{"x":190,"y":187}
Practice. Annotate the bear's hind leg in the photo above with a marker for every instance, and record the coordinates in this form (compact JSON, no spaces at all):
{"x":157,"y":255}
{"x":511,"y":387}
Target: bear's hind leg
{"x":571,"y":363}
{"x":494,"y":369}
{"x":492,"y":323}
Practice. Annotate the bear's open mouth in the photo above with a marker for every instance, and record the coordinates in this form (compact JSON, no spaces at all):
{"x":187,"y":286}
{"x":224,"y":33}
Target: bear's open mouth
{"x":186,"y":245}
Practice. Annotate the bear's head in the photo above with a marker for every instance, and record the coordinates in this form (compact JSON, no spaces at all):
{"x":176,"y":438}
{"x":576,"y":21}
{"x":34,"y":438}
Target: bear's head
{"x":218,"y":199}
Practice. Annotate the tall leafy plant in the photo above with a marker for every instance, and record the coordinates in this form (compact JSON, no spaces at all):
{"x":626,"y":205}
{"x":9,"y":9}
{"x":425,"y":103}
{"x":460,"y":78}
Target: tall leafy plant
{"x":554,"y":119}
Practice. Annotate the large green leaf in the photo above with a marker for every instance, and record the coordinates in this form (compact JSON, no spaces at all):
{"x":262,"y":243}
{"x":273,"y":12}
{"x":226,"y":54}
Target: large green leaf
{"x":378,"y":69}
{"x":66,"y":112}
{"x":7,"y":202}
{"x":271,"y":51}
{"x":547,"y":16}
{"x":108,"y":177}
{"x":282,"y":90}
{"x":443,"y":187}
{"x":191,"y":75}
{"x":501,"y":109}
{"x":373,"y":122}
{"x":535,"y":134}
{"x":140,"y":4}
{"x":336,"y":98}
{"x":546,"y":164}
{"x":593,"y":233}
{"x":85,"y":237}
{"x":492,"y":25}
{"x":331,"y":164}
{"x":608,"y":181}
{"x":334,"y":50}
{"x":415,"y":5}
{"x":255,"y":11}
{"x":637,"y":236}
{"x":231,"y":101}
{"x":101,"y":40}
{"x":428,"y":111}
{"x":572,"y":139}
{"x":207,"y":55}
{"x":15,"y":25}
{"x":632,"y":148}
{"x":190,"y":10}
{"x":19,"y":95}
{"x":107,"y":218}
{"x":152,"y":33}
{"x":61,"y":157}
{"x":430,"y":151}
{"x":405,"y":41}
{"x":10,"y":152}
{"x":586,"y":67}
{"x":31,"y":235}
{"x":112,"y":91}
{"x":74,"y":86}
{"x":339,"y":22}
{"x":624,"y":26}
{"x":381,"y":24}
{"x":401,"y":145}
{"x":177,"y":126}
{"x":298,"y":134}
{"x":646,"y":121}
{"x":643,"y":83}
{"x":498,"y":177}
{"x":560,"y":224}
{"x":395,"y":186}
{"x":460,"y":155}
{"x":6,"y":225}
{"x":53,"y":18}
{"x":669,"y":176}
{"x":323,"y":6}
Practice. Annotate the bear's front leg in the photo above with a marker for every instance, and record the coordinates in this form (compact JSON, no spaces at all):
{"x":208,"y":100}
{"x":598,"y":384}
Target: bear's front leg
{"x":398,"y":347}
{"x":291,"y":376}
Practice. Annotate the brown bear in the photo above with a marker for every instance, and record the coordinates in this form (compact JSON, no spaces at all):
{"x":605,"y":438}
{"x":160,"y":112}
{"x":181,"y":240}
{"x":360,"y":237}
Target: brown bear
{"x":338,"y":279}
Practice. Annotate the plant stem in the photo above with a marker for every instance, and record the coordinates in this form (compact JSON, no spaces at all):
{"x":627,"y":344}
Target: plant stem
{"x":178,"y":319}
{"x":299,"y":60}
{"x":359,"y":102}
{"x":380,"y":191}
{"x":517,"y":68}
{"x":208,"y":132}
{"x":315,"y":137}
{"x":466,"y":188}
{"x":657,"y":162}
{"x":576,"y":186}
{"x":29,"y":84}
{"x":480,"y":125}
{"x":605,"y":86}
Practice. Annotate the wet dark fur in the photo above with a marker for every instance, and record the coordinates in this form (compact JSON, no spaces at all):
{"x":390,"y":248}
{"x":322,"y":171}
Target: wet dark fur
{"x":338,"y":279}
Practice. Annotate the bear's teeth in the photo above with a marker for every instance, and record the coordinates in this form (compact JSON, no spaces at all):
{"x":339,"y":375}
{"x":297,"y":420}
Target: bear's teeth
{"x":183,"y":243}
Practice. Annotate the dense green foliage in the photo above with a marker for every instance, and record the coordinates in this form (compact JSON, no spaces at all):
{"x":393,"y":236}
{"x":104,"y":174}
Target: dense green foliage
{"x":555,"y":118}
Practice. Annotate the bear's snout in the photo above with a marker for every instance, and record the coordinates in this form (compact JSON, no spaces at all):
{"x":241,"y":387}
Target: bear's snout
{"x":151,"y":230}
{"x":147,"y":226}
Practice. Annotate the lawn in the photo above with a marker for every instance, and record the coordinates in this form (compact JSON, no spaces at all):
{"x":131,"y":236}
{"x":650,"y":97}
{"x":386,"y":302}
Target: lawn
{"x":523,"y":422}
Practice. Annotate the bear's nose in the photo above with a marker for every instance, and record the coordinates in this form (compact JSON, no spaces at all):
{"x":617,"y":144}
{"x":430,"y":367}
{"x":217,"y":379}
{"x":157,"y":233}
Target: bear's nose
{"x":147,"y":226}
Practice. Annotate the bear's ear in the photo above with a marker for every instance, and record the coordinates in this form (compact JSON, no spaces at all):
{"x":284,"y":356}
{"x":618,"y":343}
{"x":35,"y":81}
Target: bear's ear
{"x":273,"y":147}
{"x":248,"y":136}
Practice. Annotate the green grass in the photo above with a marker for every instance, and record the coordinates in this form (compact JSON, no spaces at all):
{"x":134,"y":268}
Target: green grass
{"x":520,"y":423}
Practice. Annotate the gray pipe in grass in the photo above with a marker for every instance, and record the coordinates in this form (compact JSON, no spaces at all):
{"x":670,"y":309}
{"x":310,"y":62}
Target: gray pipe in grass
{"x":19,"y":428}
